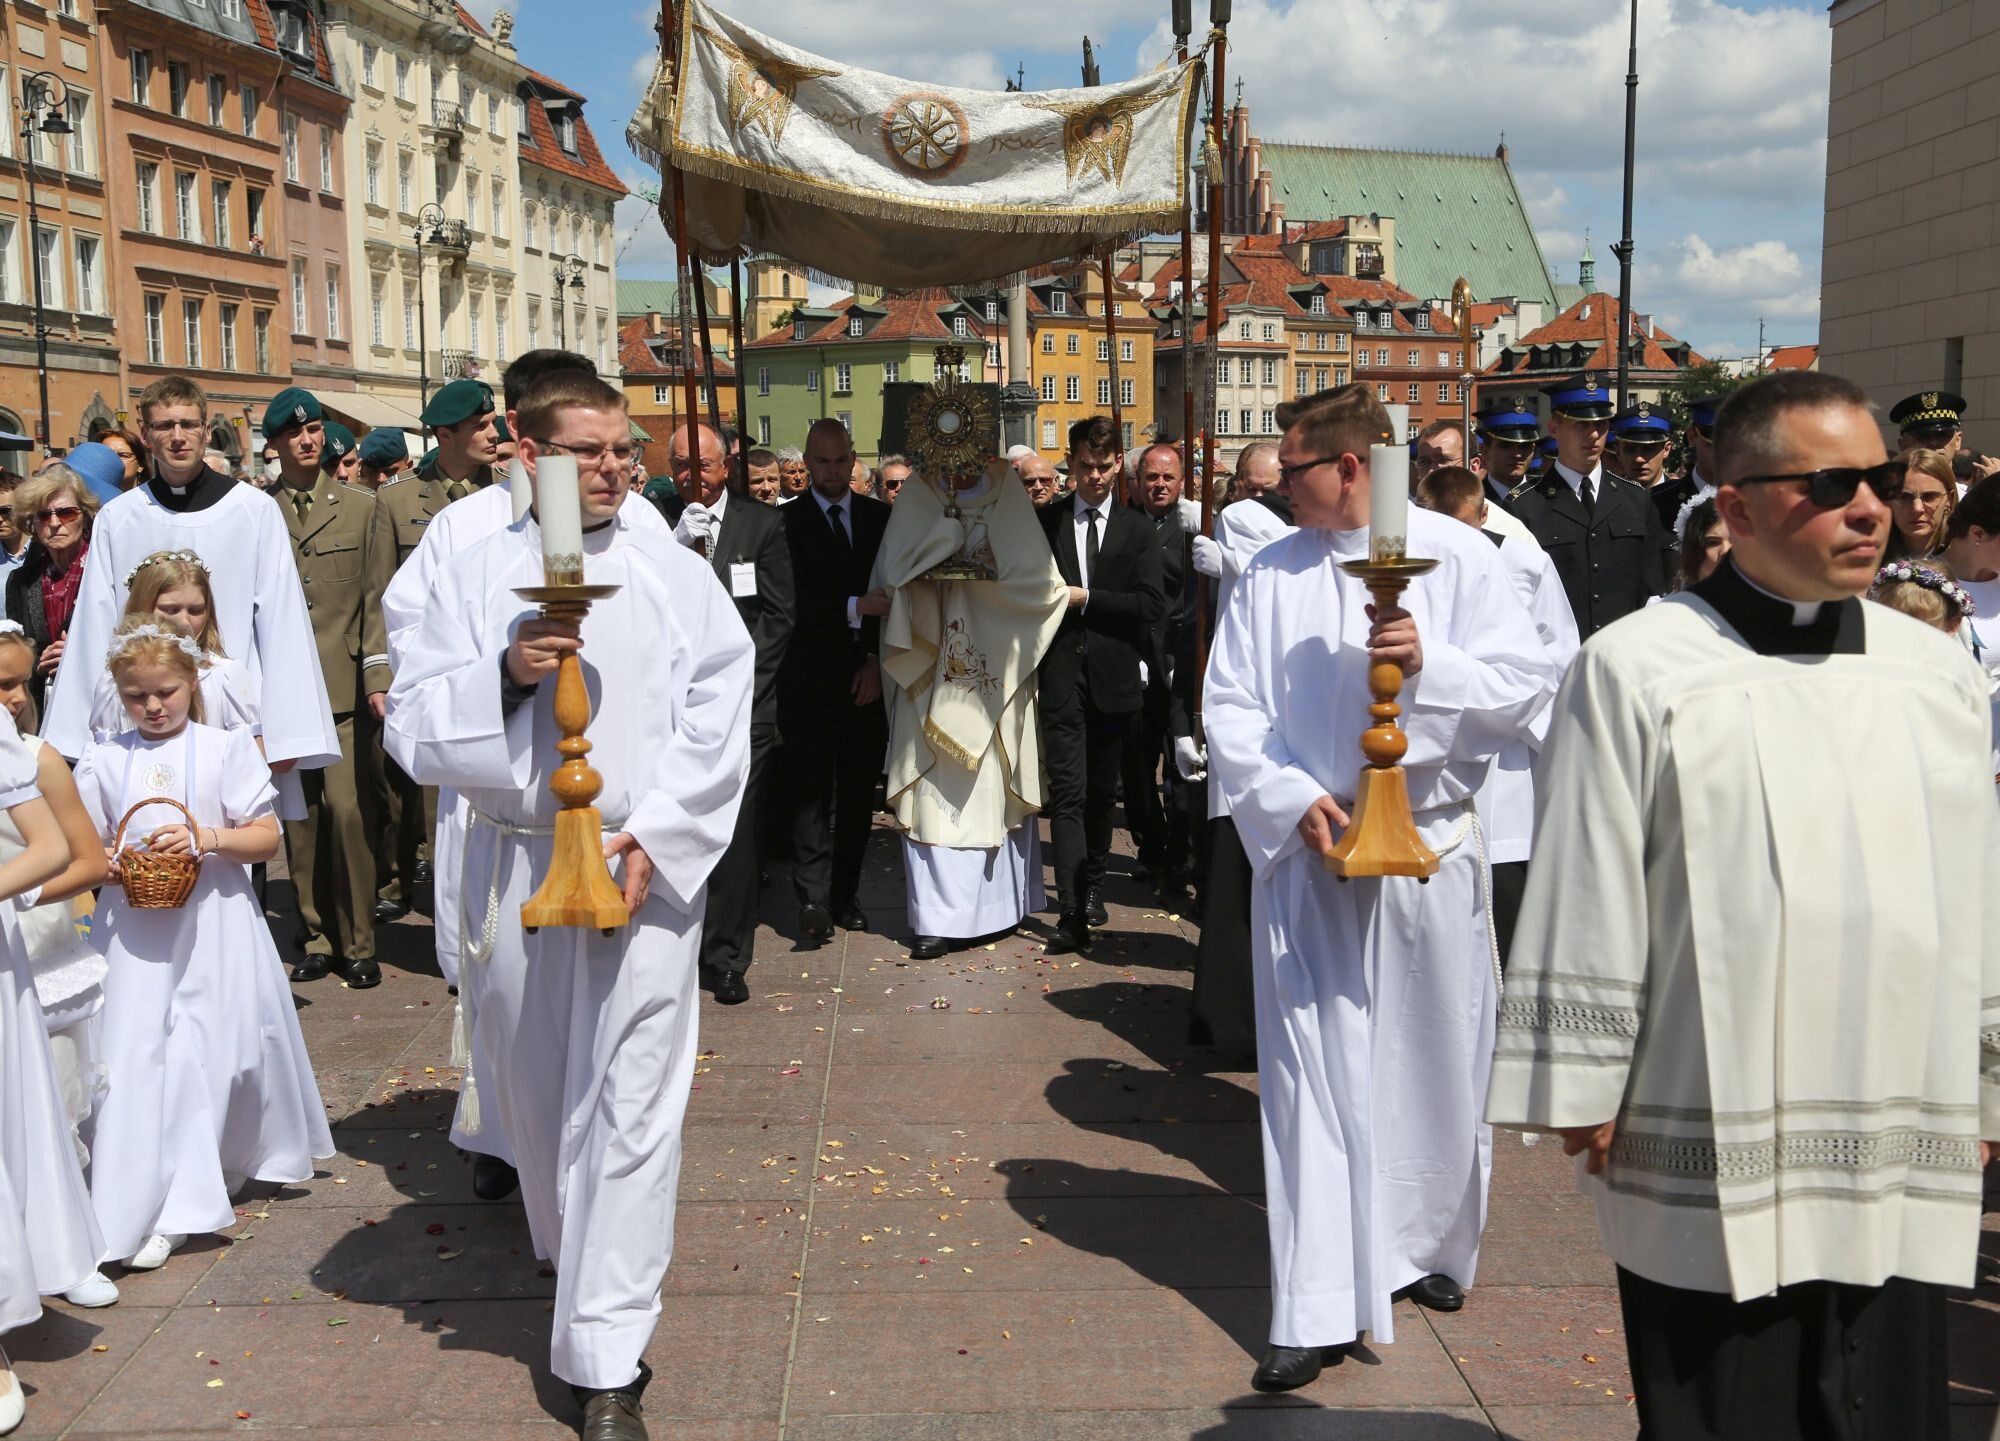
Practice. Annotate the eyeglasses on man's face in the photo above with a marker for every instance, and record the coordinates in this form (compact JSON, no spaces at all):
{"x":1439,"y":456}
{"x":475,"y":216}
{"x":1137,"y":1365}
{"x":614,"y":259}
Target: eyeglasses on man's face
{"x":592,"y":457}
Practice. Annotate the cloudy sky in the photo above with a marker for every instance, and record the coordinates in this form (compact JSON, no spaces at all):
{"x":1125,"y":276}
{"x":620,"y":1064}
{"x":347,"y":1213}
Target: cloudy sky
{"x":1732,"y":111}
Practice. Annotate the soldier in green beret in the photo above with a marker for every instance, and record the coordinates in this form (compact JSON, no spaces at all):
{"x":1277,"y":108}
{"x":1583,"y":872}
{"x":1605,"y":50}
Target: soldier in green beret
{"x":332,"y":865}
{"x":340,"y":455}
{"x":462,"y":417}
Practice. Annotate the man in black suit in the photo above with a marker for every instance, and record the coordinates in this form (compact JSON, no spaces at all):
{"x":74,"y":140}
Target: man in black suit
{"x":745,"y":542}
{"x":830,"y":689}
{"x":1089,"y":678}
{"x":1602,"y":533}
{"x":1160,"y":833}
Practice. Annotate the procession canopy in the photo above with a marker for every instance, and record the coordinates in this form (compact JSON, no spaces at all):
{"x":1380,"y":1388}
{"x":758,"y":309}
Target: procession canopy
{"x":900,"y":184}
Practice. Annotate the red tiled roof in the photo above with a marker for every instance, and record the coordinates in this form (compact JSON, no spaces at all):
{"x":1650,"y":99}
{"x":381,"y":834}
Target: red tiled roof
{"x":1490,"y":312}
{"x":541,"y":149}
{"x":1794,"y":357}
{"x":637,"y":357}
{"x":1592,"y":325}
{"x":907,"y":315}
{"x":471,"y":22}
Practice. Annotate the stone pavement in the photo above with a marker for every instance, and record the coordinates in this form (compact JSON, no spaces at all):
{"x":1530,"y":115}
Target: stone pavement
{"x":993,"y":1198}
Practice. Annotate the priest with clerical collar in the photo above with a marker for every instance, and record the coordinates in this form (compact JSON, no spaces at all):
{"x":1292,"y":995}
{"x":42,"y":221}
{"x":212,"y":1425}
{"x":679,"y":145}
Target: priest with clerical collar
{"x":240,"y":533}
{"x":1762,"y":1004}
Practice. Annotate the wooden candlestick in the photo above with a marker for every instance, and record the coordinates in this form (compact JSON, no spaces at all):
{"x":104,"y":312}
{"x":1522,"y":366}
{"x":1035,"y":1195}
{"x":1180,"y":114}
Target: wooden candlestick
{"x":579,"y":889}
{"x":1381,"y":839}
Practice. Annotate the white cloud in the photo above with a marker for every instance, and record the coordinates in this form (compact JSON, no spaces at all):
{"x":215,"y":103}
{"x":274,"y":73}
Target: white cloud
{"x":1715,"y":295}
{"x":484,"y":10}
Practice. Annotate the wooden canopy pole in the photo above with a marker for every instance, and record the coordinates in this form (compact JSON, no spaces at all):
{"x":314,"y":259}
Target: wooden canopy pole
{"x":1218,"y":14}
{"x":707,"y":352}
{"x":742,"y":393}
{"x":670,"y":32}
{"x":1091,"y":79}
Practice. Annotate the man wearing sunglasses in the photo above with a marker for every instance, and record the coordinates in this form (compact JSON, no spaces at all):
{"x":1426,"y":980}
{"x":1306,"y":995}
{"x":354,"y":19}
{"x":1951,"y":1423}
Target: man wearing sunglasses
{"x":1929,"y":420}
{"x":1746,"y":992}
{"x":1606,"y":541}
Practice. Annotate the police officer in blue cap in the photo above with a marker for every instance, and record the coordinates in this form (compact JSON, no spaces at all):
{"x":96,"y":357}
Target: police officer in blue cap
{"x":1605,"y":540}
{"x":1509,"y":430}
{"x":1670,"y":495}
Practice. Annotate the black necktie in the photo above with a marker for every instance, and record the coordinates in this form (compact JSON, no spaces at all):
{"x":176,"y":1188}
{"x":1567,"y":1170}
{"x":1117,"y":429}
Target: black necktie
{"x":1090,"y":546}
{"x":840,"y":536}
{"x":1587,"y":493}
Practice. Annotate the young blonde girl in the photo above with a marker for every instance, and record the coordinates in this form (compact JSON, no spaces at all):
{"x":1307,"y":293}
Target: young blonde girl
{"x":208,"y":1084}
{"x":49,"y":1238}
{"x":67,"y":970}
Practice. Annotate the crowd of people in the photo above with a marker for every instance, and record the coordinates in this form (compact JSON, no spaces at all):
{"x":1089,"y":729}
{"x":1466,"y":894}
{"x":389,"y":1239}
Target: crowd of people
{"x":1648,"y":722}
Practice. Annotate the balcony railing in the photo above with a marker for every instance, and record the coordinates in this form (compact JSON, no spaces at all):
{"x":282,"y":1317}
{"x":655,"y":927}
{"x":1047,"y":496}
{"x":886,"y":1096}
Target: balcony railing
{"x":458,"y":365}
{"x":1367,"y":266}
{"x":447,"y":116}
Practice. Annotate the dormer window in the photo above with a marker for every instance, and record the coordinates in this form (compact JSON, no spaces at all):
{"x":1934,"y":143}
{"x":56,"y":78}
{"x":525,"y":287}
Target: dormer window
{"x":1423,"y":320}
{"x":854,"y":326}
{"x":798,"y":330}
{"x":961,"y":327}
{"x":992,"y":312}
{"x":565,"y":125}
{"x":1059,"y":302}
{"x":294,"y":32}
{"x":1318,"y":306}
{"x":1382,"y":321}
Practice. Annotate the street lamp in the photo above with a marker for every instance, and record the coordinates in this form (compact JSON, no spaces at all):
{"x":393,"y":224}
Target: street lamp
{"x":430,"y":222}
{"x":44,"y":97}
{"x":569,"y":276}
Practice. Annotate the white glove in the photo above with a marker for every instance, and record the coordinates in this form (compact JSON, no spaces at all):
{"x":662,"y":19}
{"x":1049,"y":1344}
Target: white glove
{"x":1208,"y":556}
{"x":697,"y":525}
{"x":1145,"y":675}
{"x":1190,"y":760}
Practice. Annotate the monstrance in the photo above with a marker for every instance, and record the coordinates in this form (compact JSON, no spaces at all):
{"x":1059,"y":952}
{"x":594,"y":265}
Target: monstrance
{"x":951,"y":429}
{"x":1381,"y":838}
{"x":579,"y":889}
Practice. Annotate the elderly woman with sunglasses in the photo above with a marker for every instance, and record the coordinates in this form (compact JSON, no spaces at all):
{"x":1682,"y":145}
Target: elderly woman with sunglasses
{"x":57,"y":507}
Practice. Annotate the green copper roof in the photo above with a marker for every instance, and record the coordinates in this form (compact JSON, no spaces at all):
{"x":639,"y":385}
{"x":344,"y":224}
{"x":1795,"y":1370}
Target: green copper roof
{"x":1455,"y":214}
{"x":638,"y":297}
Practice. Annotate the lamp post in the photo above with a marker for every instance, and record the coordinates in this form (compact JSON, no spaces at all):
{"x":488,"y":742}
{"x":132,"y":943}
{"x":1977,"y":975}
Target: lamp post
{"x":569,"y":276}
{"x":430,"y":219}
{"x":43,"y":98}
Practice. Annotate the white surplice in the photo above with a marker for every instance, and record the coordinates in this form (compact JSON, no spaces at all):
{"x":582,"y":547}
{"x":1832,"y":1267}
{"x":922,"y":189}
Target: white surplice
{"x":49,"y":1238}
{"x":458,"y":527}
{"x":1767,"y":944}
{"x":591,"y":1038}
{"x":1507,"y":800}
{"x":1375,"y":997}
{"x":1242,"y":528}
{"x":260,"y":609}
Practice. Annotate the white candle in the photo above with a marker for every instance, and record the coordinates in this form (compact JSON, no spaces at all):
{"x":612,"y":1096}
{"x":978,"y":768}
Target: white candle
{"x":559,"y":512}
{"x":1388,"y":501}
{"x":520,"y":486}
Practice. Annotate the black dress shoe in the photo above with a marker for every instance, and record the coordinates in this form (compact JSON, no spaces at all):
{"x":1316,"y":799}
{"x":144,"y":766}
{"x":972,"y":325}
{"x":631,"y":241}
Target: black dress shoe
{"x":493,"y":1179}
{"x":1093,"y":908}
{"x":362,"y":975}
{"x":816,"y":922}
{"x":388,"y":910}
{"x":312,"y":968}
{"x":614,"y":1415}
{"x":929,"y":948}
{"x":1437,"y":1293}
{"x":849,"y":917}
{"x":1071,"y":936}
{"x":421,"y":876}
{"x":731,"y":989}
{"x":1286,"y":1368}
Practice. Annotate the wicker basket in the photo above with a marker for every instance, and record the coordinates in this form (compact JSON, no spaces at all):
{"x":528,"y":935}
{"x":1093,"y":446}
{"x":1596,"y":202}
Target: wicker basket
{"x":152,"y":881}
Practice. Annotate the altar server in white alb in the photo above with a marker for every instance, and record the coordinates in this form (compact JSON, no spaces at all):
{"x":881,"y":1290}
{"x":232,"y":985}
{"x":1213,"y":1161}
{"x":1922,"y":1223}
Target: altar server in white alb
{"x":1757,"y":985}
{"x":260,"y":606}
{"x":458,"y":527}
{"x":1375,"y":997}
{"x":591,"y":1038}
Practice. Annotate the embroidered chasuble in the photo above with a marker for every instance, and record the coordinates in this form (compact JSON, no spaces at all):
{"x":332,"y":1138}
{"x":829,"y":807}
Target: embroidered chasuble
{"x":959,"y":657}
{"x":1762,"y":933}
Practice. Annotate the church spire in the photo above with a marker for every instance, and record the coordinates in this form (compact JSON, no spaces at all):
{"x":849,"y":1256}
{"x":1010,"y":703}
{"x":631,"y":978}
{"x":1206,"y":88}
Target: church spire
{"x":1586,"y":268}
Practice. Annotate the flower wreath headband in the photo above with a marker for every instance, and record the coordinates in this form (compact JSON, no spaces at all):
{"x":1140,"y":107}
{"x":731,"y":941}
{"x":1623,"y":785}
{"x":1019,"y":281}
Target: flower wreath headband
{"x":160,"y":557}
{"x":123,"y":643}
{"x":1922,"y":575}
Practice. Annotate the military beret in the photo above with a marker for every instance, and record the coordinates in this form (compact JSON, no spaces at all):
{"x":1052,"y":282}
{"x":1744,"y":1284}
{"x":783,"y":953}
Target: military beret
{"x":1928,"y":408}
{"x":383,"y":448}
{"x":289,"y":407}
{"x":500,"y":431}
{"x":1582,"y":396}
{"x":460,"y":400}
{"x":338,"y":446}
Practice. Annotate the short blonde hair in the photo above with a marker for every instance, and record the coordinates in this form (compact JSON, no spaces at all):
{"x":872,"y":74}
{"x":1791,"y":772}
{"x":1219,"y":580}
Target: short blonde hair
{"x":41,"y":489}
